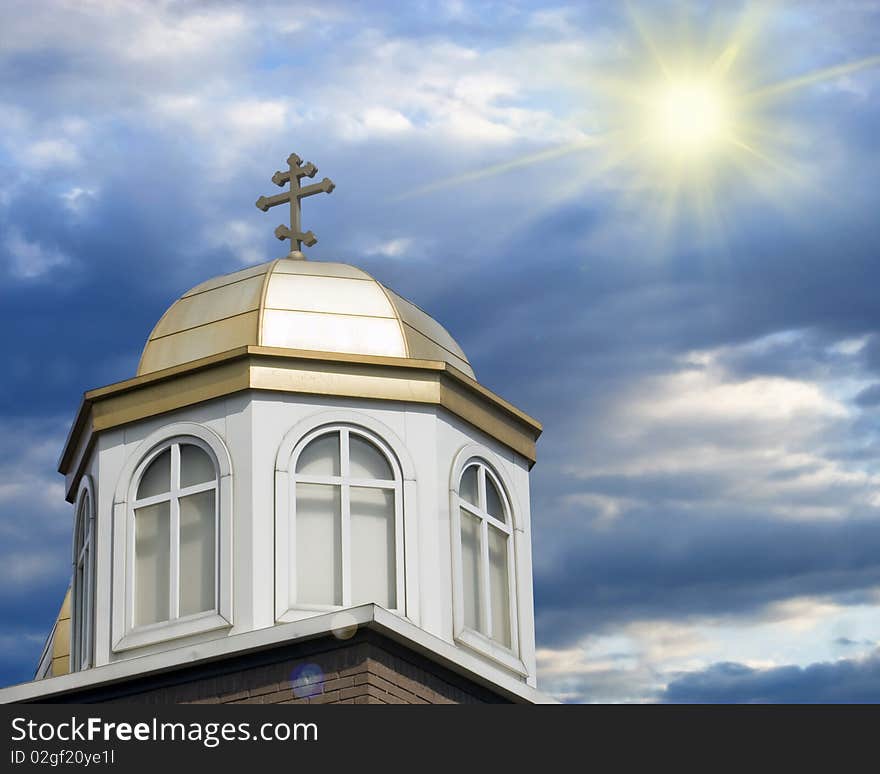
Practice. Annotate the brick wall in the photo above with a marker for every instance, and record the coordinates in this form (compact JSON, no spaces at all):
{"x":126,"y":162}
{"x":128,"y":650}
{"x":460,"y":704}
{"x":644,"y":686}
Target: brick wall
{"x":368,"y":669}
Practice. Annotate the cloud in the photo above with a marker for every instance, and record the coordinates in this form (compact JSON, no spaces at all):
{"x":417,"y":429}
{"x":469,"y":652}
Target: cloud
{"x":636,"y":660}
{"x":393,"y":248}
{"x":869,"y":397}
{"x":842,"y":682}
{"x":705,"y":492}
{"x":50,"y":153}
{"x":35,"y":533}
{"x":77,"y":199}
{"x":27,"y":260}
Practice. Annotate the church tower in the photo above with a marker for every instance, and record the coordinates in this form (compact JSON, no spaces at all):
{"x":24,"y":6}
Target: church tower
{"x":304,"y":494}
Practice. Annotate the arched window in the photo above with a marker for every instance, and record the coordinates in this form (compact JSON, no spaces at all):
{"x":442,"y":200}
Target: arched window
{"x":83,"y":593}
{"x":346,"y":527}
{"x":485,"y":552}
{"x":174,"y":537}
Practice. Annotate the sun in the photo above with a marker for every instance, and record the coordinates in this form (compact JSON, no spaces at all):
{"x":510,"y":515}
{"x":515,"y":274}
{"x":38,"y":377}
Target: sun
{"x":677,"y":119}
{"x":688,"y":117}
{"x":690,"y":120}
{"x":682,"y":118}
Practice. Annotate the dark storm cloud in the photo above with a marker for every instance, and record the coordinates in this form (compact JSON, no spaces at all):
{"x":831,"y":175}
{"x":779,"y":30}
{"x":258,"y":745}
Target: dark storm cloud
{"x":871,"y":352}
{"x":841,"y":682}
{"x":868,"y":397}
{"x":35,"y":535}
{"x":668,"y":564}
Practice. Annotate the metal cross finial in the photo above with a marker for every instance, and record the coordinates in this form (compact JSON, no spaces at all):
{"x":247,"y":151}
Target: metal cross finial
{"x":297,"y":171}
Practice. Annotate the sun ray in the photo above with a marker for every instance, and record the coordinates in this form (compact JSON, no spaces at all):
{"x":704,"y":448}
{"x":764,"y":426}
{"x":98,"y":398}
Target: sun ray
{"x":817,"y":76}
{"x":507,"y":166}
{"x":743,"y":145}
{"x":724,"y":62}
{"x":645,"y":36}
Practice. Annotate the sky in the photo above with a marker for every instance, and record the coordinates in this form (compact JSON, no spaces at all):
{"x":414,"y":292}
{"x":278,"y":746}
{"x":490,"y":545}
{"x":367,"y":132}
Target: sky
{"x":653,"y":226}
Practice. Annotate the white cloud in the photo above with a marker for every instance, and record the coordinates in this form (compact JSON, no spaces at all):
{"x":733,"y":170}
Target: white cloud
{"x":393,"y":248}
{"x":254,"y":117}
{"x":168,"y":36}
{"x":765,"y":443}
{"x":638,"y":660}
{"x":703,"y":396}
{"x":51,"y":153}
{"x":243,"y":238}
{"x":383,"y":120}
{"x":29,"y":260}
{"x":77,"y":198}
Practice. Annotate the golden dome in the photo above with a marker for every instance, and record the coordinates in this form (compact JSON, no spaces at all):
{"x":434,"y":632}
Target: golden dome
{"x":301,"y":305}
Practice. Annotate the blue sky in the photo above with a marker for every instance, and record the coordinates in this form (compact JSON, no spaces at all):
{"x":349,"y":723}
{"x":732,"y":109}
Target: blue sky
{"x":705,"y":356}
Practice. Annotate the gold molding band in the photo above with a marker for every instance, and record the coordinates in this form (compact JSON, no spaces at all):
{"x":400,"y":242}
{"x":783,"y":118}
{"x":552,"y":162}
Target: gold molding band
{"x":405,"y":380}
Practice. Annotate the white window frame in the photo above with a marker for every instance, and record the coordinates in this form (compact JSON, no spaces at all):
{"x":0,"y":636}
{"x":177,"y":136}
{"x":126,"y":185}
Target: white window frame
{"x":82,"y":601}
{"x":287,"y":608}
{"x":472,"y":638}
{"x":124,"y":632}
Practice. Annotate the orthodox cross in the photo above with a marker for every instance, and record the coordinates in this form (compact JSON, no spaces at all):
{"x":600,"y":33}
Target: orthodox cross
{"x":297,"y":171}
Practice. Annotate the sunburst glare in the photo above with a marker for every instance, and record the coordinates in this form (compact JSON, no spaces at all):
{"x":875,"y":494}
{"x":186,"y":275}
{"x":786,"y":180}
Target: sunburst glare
{"x":687,"y":116}
{"x":683,"y":116}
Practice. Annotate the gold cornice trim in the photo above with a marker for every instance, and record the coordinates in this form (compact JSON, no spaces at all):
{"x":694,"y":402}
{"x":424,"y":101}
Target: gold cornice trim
{"x":167,"y":395}
{"x":301,"y":372}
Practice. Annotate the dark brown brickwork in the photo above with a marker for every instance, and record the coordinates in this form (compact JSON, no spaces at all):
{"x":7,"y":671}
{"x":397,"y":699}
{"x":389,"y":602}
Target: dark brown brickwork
{"x":367,"y":669}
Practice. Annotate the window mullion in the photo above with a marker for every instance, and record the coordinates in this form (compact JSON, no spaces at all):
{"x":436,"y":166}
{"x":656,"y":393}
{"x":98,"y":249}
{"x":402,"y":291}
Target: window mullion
{"x":152,"y":500}
{"x":303,"y":478}
{"x":174,"y":558}
{"x":481,"y":488}
{"x":399,"y":554}
{"x":197,"y":488}
{"x":345,"y":505}
{"x":217,"y":555}
{"x":486,"y":596}
{"x":346,"y":543}
{"x":344,"y":454}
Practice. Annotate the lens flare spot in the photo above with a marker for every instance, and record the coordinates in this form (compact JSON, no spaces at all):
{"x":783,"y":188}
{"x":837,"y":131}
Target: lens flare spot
{"x":306,"y":680}
{"x":344,"y":625}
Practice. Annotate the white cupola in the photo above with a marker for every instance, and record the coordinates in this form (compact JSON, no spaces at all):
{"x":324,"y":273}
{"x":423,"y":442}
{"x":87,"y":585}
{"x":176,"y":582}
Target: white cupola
{"x":300,"y":442}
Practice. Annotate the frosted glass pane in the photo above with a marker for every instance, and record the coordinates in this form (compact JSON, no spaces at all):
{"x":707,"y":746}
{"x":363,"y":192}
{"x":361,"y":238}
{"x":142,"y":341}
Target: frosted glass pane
{"x":157,"y":477}
{"x":499,"y":590}
{"x":467,"y":490}
{"x":78,"y":614}
{"x":197,"y":553}
{"x":152,"y":549}
{"x":86,"y":611}
{"x":493,"y":500}
{"x":82,"y":524}
{"x":196,"y":467}
{"x":470,"y":567}
{"x":367,"y":461}
{"x":318,"y":544}
{"x":320,"y":457}
{"x":372,"y":547}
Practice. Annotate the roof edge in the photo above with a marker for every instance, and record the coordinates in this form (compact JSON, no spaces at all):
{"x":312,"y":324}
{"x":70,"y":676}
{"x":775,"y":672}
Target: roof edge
{"x":370,"y":616}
